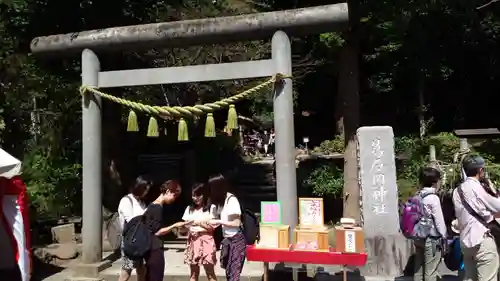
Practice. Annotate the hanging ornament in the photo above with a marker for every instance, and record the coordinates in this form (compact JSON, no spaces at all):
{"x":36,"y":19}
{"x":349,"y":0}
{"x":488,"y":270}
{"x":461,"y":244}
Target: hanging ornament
{"x":153,"y":128}
{"x":132,"y":124}
{"x":183,"y":134}
{"x":210,"y":126}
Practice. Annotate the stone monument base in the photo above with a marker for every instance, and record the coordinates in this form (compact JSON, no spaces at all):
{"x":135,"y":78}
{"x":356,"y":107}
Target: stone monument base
{"x":92,"y":271}
{"x":387,"y":255}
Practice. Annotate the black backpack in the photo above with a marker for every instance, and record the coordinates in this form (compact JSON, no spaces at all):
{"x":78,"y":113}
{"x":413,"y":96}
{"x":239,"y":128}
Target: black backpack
{"x":249,"y":225}
{"x":137,"y":239}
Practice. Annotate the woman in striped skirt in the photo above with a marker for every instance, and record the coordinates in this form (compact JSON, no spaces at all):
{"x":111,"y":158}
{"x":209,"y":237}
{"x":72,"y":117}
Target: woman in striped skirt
{"x":233,"y":246}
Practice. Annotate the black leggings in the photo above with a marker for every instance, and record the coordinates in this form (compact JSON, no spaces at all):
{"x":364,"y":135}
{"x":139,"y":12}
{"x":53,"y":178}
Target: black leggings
{"x":155,"y":265}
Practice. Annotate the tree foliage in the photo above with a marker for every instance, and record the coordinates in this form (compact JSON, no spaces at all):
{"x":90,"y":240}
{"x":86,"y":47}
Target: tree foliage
{"x":445,"y":51}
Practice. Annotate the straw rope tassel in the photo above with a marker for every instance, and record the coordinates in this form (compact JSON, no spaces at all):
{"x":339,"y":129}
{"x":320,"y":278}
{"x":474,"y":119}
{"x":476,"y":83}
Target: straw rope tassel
{"x":153,"y":128}
{"x":232,"y":118}
{"x":183,"y":134}
{"x":184,"y":111}
{"x":210,"y":126}
{"x":132,"y":124}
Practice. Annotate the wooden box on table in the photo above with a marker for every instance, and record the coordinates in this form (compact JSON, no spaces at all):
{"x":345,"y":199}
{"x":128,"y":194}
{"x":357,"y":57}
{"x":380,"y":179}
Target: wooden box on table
{"x":349,"y":240}
{"x":274,"y":236}
{"x":311,"y":239}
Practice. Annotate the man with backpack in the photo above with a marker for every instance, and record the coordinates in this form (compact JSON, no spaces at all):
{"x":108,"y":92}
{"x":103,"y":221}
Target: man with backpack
{"x":475,"y":210}
{"x":423,"y":221}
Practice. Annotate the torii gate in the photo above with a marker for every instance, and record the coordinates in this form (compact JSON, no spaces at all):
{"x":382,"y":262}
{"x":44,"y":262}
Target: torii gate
{"x":183,"y":33}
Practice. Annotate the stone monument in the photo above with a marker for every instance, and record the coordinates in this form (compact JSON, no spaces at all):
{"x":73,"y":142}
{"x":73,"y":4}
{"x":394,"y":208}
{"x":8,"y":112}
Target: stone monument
{"x":388,"y":250}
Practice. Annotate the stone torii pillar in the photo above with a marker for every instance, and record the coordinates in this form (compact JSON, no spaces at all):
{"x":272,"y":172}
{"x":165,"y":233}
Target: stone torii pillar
{"x":184,"y":33}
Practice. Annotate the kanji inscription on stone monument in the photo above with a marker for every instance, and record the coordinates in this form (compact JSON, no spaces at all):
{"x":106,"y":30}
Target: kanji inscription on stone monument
{"x":377,"y":172}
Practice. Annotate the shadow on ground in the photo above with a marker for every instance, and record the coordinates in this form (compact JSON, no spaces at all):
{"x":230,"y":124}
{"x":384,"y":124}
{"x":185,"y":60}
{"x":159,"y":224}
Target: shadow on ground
{"x":43,"y":268}
{"x":286,"y":275}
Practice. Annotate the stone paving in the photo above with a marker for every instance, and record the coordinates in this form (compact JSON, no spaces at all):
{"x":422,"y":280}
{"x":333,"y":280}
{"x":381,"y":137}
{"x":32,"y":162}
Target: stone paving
{"x":176,"y":270}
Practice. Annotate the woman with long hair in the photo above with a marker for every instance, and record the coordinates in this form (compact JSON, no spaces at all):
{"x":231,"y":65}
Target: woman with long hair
{"x":130,"y":206}
{"x":200,"y":250}
{"x":233,"y":246}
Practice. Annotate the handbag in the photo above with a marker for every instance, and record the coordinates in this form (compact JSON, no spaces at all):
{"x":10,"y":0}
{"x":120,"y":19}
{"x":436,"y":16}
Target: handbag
{"x":114,"y":228}
{"x":493,"y":226}
{"x":454,"y":259}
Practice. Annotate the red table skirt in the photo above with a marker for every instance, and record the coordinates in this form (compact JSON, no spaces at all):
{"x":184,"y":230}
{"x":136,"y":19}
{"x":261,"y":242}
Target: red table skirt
{"x":305,"y":257}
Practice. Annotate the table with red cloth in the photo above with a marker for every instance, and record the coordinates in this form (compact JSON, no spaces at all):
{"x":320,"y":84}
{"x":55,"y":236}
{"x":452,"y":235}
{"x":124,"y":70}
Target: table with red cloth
{"x":331,"y":257}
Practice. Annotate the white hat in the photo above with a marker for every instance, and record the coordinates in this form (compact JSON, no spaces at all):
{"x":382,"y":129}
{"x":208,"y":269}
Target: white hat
{"x":454,"y":226}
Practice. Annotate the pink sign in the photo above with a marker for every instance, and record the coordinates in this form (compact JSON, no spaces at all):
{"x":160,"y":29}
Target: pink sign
{"x":271,"y":212}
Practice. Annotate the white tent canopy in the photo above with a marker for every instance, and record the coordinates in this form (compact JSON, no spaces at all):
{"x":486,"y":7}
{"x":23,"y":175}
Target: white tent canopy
{"x":9,"y":166}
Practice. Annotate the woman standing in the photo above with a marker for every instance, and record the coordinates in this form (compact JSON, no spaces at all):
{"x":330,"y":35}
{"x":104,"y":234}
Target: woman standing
{"x":132,"y":205}
{"x":200,"y":250}
{"x":429,"y":251}
{"x":155,"y":262}
{"x":233,"y":246}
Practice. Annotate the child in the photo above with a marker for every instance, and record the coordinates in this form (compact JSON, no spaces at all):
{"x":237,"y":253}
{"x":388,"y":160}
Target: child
{"x":200,"y":243}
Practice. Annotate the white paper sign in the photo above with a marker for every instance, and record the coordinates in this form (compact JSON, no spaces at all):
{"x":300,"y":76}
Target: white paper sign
{"x":311,"y":211}
{"x":350,"y":242}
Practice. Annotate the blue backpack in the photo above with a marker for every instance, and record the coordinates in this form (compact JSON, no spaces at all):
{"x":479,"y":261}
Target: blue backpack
{"x":454,"y":259}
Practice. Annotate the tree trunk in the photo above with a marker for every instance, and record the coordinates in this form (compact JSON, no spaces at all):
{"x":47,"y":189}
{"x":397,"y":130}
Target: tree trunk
{"x":349,"y":89}
{"x":421,"y":107}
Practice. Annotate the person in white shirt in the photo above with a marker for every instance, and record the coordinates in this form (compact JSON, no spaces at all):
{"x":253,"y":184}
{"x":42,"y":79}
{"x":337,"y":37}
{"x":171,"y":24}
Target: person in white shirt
{"x":475,"y":209}
{"x":132,"y":205}
{"x":233,"y":246}
{"x":200,"y":250}
{"x":428,"y":252}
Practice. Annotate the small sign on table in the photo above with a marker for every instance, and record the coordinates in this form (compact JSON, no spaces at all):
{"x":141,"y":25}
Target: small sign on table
{"x":349,"y":240}
{"x":270,"y":212}
{"x":273,"y":234}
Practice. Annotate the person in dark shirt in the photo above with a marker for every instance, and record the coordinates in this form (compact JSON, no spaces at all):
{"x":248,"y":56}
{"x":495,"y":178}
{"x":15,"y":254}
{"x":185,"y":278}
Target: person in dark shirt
{"x":272,"y":138}
{"x":265,"y":142}
{"x":155,"y":262}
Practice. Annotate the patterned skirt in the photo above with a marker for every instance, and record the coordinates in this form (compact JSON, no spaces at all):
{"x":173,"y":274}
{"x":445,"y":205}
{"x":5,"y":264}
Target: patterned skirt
{"x":200,"y":249}
{"x":128,"y":264}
